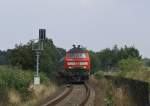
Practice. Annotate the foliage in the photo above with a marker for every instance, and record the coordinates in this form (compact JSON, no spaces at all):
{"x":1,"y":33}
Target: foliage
{"x":131,"y":64}
{"x":3,"y":58}
{"x":50,"y":58}
{"x":16,"y":79}
{"x":3,"y":91}
{"x":99,"y":75}
{"x":110,"y":98}
{"x":142,"y":74}
{"x":110,"y":58}
{"x":12,"y":78}
{"x":94,"y":61}
{"x":147,"y":62}
{"x":24,"y":57}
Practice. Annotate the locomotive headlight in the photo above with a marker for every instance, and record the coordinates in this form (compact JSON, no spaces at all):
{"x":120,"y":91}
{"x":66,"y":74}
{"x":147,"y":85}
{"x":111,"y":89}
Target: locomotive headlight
{"x":83,"y":63}
{"x":70,"y":67}
{"x":84,"y":67}
{"x":71,"y":63}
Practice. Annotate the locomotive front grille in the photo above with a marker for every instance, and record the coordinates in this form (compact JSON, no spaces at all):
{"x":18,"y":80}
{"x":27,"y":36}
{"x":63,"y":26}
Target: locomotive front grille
{"x":77,"y":63}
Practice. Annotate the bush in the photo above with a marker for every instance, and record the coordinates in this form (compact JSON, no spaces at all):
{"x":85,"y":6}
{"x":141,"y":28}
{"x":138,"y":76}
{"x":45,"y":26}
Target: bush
{"x":3,"y":91}
{"x":99,"y":75}
{"x":19,"y":80}
{"x":24,"y":57}
{"x":16,"y":79}
{"x":131,"y":64}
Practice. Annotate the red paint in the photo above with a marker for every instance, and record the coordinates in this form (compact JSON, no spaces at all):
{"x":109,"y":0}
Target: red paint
{"x":77,"y":60}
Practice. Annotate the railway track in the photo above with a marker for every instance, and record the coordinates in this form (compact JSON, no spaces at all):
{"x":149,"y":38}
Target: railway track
{"x":75,"y":95}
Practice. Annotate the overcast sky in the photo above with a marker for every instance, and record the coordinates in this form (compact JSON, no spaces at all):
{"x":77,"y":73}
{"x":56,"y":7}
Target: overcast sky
{"x":96,"y":24}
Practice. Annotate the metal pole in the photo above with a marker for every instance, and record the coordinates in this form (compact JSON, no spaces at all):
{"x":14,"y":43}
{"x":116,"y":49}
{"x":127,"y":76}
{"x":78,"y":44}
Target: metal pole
{"x":41,"y":45}
{"x":37,"y":65}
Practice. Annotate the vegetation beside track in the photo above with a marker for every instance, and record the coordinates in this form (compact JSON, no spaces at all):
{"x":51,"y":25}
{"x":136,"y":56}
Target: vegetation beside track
{"x":116,"y":91}
{"x":125,"y":62}
{"x":131,"y":68}
{"x":24,"y":57}
{"x":16,"y":87}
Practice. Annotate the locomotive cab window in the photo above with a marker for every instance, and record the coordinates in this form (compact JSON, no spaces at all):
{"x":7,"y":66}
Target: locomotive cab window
{"x":77,"y":55}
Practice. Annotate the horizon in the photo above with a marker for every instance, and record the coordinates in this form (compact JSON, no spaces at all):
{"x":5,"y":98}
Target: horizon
{"x":81,"y":45}
{"x":95,"y":24}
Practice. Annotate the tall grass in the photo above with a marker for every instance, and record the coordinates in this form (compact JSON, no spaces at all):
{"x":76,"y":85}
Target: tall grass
{"x":15,"y":85}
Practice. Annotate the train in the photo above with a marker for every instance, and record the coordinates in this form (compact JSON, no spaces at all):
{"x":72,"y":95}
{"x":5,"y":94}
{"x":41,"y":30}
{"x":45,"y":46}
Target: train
{"x":77,"y":64}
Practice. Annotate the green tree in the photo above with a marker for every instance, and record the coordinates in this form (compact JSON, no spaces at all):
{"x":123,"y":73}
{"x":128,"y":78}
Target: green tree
{"x":94,"y":61}
{"x":106,"y":58}
{"x":3,"y":58}
{"x":24,"y":57}
{"x":131,"y":64}
{"x":146,"y":62}
{"x":129,"y":52}
{"x":109,"y":58}
{"x":50,"y":58}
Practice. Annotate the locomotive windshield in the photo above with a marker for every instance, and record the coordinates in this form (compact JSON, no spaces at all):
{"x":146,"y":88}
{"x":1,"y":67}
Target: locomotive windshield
{"x":77,"y":55}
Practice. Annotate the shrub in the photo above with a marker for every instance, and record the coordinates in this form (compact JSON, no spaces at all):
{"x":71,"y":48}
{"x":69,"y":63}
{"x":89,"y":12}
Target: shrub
{"x":99,"y":75}
{"x":3,"y":91}
{"x":19,"y":80}
{"x":131,"y":64}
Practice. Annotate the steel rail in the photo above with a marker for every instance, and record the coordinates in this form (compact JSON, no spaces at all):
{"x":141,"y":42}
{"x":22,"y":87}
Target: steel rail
{"x":88,"y":99}
{"x":59,"y":98}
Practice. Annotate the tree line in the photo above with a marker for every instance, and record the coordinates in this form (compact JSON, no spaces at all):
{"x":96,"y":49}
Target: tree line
{"x":22,"y":56}
{"x":109,"y":59}
{"x":51,"y":60}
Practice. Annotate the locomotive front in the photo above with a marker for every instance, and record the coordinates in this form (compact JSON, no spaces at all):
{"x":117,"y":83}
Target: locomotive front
{"x":77,"y":64}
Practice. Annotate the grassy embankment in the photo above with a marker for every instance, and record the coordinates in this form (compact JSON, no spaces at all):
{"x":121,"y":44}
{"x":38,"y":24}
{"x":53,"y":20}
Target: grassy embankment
{"x":142,"y":75}
{"x":133,"y":69}
{"x":16,"y":87}
{"x":105,"y":90}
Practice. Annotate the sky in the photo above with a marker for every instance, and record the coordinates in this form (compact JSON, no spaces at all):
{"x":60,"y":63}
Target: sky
{"x":95,"y":24}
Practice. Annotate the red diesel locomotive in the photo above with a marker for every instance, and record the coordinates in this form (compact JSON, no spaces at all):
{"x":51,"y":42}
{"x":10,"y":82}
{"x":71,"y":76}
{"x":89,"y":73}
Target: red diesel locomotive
{"x":77,"y":64}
